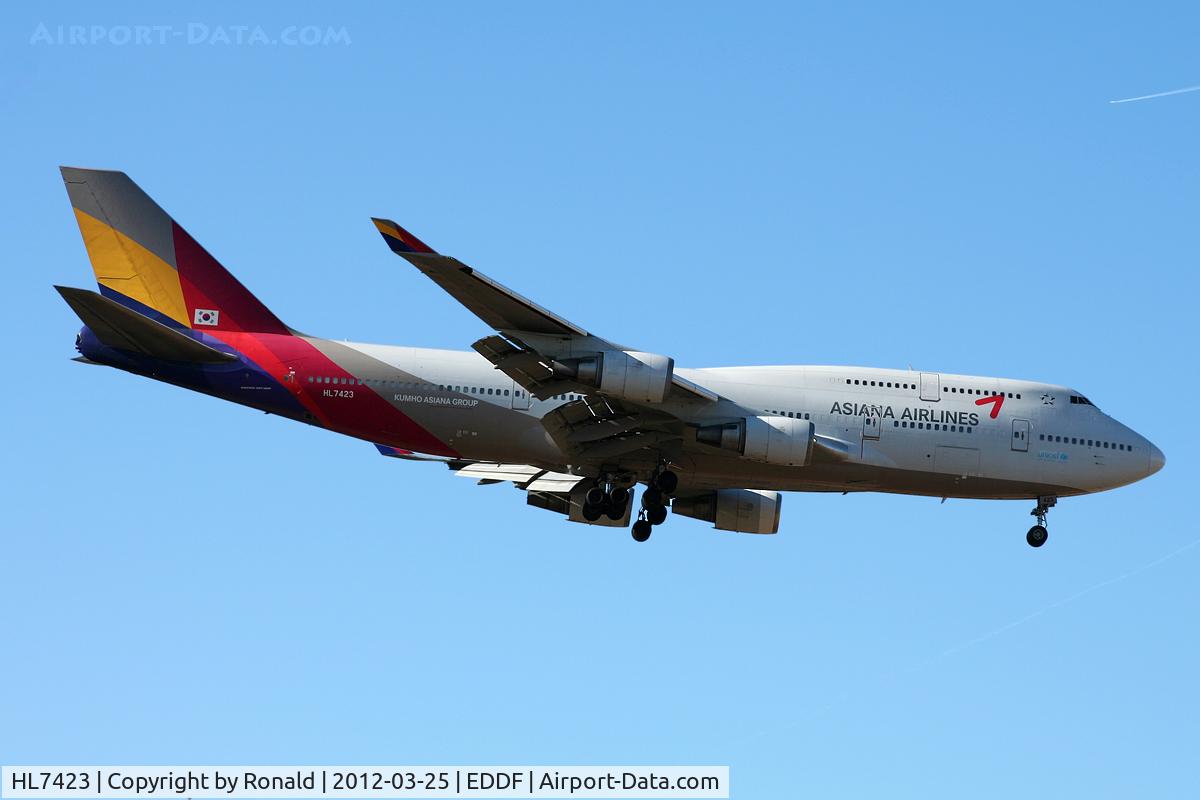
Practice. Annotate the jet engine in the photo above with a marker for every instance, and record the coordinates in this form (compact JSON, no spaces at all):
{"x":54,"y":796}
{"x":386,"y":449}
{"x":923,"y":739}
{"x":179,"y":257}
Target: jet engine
{"x":741,"y":510}
{"x":632,"y":375}
{"x":772,"y":439}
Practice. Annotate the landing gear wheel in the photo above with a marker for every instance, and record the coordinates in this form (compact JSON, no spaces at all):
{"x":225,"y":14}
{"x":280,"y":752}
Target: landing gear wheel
{"x":614,"y":511}
{"x":619,"y":497}
{"x":641,"y":530}
{"x":656,"y":514}
{"x":1037,"y":536}
{"x":651,"y":497}
{"x":592,"y":513}
{"x":594,"y":496}
{"x":667,"y":482}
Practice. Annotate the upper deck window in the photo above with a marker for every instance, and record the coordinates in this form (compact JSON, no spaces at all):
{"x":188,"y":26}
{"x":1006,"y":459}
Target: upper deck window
{"x":1080,"y":400}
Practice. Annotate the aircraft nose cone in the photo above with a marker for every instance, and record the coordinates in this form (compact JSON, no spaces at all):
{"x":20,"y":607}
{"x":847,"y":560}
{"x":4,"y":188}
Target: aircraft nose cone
{"x":1157,"y":459}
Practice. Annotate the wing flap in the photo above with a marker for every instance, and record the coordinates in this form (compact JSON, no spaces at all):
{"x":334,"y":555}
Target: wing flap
{"x":558,"y":482}
{"x":527,"y":368}
{"x":517,"y":473}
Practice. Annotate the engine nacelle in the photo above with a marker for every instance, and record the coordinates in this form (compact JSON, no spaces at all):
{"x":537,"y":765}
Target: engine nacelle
{"x":741,"y":510}
{"x":640,"y":377}
{"x":772,"y":439}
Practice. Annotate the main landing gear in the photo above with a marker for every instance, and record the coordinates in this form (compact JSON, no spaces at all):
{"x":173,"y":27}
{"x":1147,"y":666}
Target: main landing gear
{"x":605,"y":500}
{"x":1037,"y":534}
{"x":654,"y":503}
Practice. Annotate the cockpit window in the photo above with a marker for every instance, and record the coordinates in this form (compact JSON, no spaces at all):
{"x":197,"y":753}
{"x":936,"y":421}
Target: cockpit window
{"x":1080,"y":400}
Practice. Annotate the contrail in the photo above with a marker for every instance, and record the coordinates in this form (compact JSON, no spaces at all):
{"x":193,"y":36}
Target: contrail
{"x":1157,"y":94}
{"x":894,"y":675}
{"x":1064,"y":601}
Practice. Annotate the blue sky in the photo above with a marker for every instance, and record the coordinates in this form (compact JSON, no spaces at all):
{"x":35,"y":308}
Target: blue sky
{"x":186,"y":581}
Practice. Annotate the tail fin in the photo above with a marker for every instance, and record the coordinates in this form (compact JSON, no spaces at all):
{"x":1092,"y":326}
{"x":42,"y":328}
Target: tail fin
{"x":145,"y":261}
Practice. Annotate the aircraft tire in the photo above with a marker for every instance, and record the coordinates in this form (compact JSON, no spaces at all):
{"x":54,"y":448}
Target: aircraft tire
{"x":641,"y":530}
{"x":656,"y":514}
{"x":1037,"y":536}
{"x":667,"y":482}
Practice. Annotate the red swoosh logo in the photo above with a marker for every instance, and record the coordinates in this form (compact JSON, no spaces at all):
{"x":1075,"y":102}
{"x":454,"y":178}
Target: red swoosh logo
{"x":997,"y":401}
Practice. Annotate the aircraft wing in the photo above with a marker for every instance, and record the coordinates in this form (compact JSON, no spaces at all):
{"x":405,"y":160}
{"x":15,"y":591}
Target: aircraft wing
{"x":520,"y":350}
{"x":560,"y":492}
{"x":498,"y":306}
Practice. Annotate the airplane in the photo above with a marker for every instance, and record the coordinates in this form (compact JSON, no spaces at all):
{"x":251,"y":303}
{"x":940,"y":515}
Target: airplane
{"x":576,"y":421}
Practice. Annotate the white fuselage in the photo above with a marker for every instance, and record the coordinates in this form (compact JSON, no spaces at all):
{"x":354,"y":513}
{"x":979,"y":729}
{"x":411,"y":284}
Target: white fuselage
{"x":900,"y":431}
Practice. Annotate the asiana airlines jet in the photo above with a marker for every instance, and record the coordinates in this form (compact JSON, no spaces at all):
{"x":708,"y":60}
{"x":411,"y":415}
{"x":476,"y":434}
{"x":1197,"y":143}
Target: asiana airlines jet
{"x":576,"y":421}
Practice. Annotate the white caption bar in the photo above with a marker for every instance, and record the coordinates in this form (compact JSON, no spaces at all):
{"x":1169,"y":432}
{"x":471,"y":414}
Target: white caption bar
{"x":268,"y":783}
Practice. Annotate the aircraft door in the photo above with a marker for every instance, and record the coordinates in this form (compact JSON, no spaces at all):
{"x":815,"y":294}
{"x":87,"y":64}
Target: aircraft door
{"x":1020,"y":435}
{"x":930,"y":386}
{"x":291,"y":375}
{"x":871,"y":426}
{"x":520,"y":398}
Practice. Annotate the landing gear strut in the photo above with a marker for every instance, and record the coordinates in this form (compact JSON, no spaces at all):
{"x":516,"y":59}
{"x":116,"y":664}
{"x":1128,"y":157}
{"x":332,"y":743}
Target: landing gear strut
{"x":1037,"y":534}
{"x":654,"y":509}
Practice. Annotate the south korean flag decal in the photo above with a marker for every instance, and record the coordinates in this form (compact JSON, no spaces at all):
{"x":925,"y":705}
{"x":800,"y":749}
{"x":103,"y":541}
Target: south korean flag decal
{"x":205,"y":316}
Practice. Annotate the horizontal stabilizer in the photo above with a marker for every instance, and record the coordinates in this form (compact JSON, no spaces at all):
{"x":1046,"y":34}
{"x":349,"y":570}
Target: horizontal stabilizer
{"x":409,"y":455}
{"x":118,"y":326}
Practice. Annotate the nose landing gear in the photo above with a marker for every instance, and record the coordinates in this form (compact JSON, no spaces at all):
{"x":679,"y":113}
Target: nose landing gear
{"x":1038,"y":534}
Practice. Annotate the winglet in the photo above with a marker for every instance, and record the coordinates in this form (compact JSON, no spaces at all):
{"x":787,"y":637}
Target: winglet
{"x":400,"y":240}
